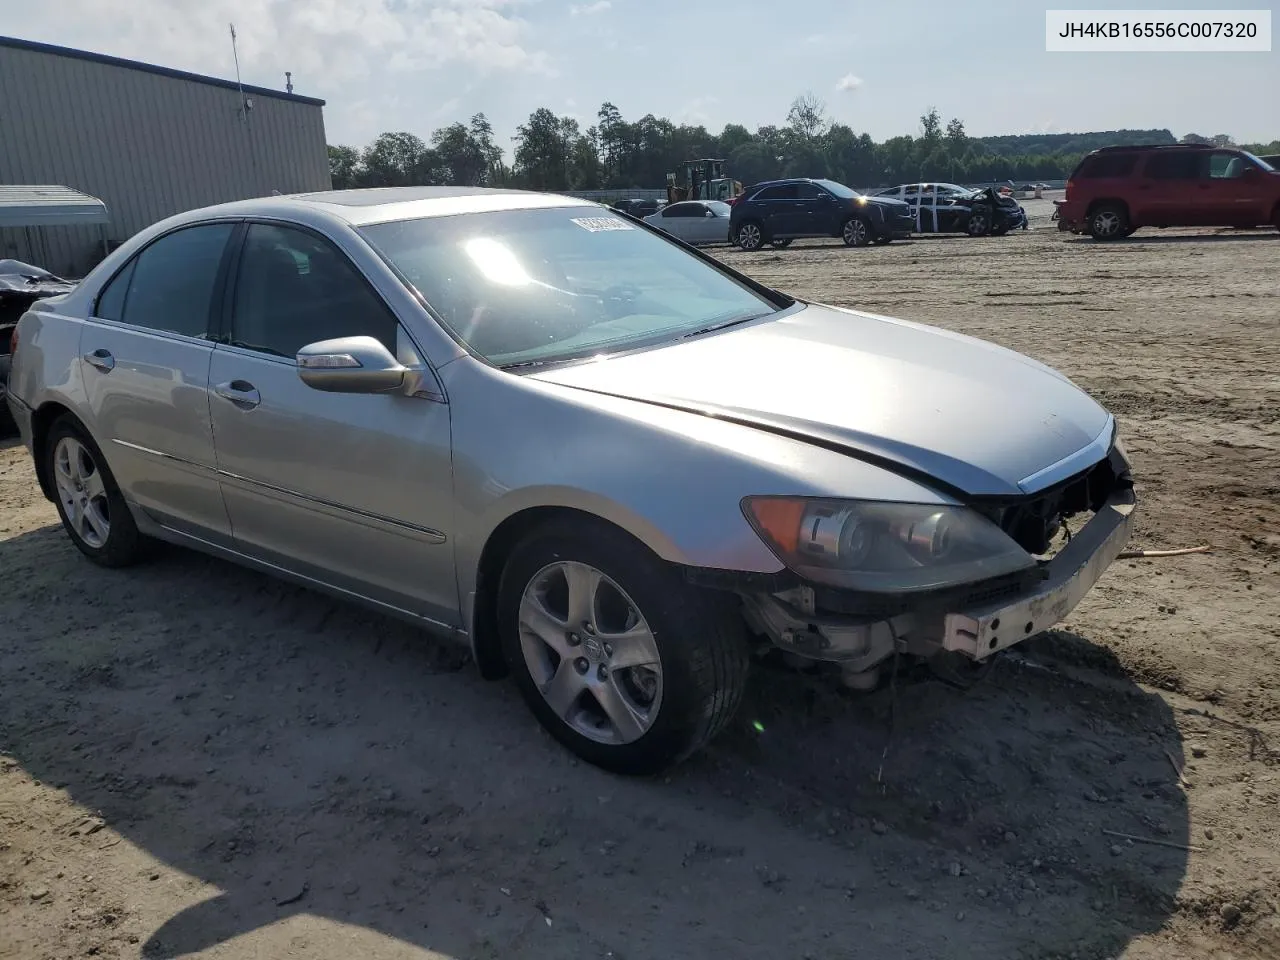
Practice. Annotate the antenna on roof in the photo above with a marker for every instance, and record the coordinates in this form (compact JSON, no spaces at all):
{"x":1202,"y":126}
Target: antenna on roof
{"x":245,"y":104}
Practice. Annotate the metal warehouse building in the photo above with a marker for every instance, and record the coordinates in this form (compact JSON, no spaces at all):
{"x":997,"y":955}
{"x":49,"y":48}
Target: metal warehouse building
{"x":148,"y":141}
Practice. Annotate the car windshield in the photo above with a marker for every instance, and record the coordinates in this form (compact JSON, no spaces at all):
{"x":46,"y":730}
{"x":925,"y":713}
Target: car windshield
{"x":524,"y":287}
{"x":839,"y":189}
{"x":1258,"y":160}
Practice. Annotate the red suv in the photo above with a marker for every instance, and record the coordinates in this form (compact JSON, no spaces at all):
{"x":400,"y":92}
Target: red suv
{"x":1116,"y":190}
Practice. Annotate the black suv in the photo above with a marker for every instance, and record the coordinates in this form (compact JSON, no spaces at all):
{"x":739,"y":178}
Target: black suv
{"x":779,"y":211}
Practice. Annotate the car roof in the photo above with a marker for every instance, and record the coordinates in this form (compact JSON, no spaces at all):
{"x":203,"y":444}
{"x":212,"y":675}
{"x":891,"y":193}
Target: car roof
{"x":383,"y":204}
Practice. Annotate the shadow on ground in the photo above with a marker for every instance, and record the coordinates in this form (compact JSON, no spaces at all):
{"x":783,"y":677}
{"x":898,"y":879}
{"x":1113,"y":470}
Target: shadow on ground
{"x":306,"y":758}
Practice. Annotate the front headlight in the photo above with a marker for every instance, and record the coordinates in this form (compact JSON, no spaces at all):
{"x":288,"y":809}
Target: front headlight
{"x":883,"y":547}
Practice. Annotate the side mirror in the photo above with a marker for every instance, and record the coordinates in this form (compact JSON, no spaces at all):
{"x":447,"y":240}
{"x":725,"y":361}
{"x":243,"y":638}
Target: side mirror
{"x":350,"y":365}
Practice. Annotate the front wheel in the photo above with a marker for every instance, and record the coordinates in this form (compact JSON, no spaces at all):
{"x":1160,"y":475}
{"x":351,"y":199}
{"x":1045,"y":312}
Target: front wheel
{"x":620,"y":660}
{"x":855,"y":232}
{"x":750,"y":236}
{"x":977,"y":225}
{"x":89,"y":502}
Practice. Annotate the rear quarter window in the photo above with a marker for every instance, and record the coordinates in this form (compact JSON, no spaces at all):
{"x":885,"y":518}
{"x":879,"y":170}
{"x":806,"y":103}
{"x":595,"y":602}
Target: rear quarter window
{"x":1105,"y":166}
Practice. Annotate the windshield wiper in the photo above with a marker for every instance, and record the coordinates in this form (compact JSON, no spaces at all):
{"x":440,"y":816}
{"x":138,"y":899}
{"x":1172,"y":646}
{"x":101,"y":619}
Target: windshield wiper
{"x":726,"y":323}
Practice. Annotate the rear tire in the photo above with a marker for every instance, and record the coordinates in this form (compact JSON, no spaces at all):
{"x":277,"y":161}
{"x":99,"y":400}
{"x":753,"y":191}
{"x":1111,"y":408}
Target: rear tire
{"x":89,"y":502}
{"x":569,"y":595}
{"x":1109,"y":222}
{"x":750,"y":235}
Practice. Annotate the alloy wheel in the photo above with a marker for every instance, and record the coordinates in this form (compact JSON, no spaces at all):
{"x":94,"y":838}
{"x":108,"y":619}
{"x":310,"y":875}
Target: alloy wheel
{"x":1107,"y":223}
{"x":855,"y":233}
{"x":749,"y":237}
{"x":590,"y":652}
{"x":82,"y":492}
{"x":977,"y":225}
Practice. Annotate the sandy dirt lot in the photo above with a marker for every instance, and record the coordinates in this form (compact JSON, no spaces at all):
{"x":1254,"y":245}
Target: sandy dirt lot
{"x":195,"y":760}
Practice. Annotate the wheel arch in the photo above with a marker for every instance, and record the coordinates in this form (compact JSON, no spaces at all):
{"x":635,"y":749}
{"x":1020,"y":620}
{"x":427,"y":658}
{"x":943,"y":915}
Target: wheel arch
{"x":486,"y":646}
{"x":1095,"y":205}
{"x":42,"y":421}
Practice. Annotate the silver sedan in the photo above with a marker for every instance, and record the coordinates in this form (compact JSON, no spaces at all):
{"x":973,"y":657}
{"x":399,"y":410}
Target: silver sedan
{"x":698,"y":222}
{"x":617,"y":469}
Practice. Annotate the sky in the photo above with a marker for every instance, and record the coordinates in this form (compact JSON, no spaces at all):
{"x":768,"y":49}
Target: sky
{"x":417,"y":65}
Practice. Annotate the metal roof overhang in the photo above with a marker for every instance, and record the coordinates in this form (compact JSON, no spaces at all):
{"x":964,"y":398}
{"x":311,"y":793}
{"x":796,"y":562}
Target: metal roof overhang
{"x":49,"y":206}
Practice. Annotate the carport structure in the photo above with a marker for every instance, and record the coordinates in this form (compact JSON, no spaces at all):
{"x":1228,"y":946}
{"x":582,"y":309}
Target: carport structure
{"x":30,"y":207}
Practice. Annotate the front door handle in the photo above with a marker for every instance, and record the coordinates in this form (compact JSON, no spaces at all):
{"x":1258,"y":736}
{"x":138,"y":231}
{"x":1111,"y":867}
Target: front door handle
{"x":240,"y":392}
{"x":101,"y":360}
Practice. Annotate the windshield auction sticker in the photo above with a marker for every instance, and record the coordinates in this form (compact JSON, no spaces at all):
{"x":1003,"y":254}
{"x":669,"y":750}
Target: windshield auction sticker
{"x":599,"y":224}
{"x":1157,"y":31}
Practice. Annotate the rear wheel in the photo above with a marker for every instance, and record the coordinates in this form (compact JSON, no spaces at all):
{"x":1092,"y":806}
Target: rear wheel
{"x":89,"y":502}
{"x":1109,"y":222}
{"x":750,"y":235}
{"x":620,"y":660}
{"x":855,"y":232}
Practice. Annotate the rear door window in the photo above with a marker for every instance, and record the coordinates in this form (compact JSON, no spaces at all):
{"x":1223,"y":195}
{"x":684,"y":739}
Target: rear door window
{"x":170,"y":285}
{"x":1180,"y":165}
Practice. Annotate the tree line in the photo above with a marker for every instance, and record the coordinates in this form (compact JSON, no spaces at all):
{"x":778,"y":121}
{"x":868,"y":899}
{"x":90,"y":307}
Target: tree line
{"x":554,"y":153}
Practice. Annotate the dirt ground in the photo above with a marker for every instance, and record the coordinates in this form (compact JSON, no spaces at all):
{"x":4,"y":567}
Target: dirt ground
{"x":196,"y":760}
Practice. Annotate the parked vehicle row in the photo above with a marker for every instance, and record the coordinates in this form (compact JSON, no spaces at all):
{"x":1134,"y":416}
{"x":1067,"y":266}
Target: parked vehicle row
{"x":1117,"y":190}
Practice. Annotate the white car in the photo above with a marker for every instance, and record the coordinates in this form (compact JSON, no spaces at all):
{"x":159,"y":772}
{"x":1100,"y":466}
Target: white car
{"x":694,"y":221}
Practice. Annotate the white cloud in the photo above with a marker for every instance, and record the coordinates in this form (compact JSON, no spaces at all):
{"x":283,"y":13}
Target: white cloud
{"x":326,"y":43}
{"x":695,"y":111}
{"x":590,"y":9}
{"x":848,"y":83}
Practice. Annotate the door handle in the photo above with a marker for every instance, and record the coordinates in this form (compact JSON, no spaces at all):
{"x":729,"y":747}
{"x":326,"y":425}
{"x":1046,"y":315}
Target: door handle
{"x":240,"y":392}
{"x":101,"y":360}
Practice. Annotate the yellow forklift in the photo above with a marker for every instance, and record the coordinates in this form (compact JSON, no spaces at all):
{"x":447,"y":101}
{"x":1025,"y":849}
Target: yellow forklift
{"x":702,"y":180}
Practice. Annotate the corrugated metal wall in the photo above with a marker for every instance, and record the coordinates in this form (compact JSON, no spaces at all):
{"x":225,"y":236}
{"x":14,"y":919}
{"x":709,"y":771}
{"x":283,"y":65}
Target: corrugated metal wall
{"x":147,"y":145}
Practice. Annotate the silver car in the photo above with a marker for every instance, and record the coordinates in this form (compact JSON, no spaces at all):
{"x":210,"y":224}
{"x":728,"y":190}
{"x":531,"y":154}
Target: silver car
{"x":614,"y":467}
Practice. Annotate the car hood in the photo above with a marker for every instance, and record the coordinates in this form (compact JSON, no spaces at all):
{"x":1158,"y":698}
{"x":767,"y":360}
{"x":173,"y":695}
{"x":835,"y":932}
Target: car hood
{"x":971,"y":416}
{"x":891,"y":203}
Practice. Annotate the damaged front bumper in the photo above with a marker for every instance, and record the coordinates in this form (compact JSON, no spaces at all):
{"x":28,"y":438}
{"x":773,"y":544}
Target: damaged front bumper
{"x":974,"y":626}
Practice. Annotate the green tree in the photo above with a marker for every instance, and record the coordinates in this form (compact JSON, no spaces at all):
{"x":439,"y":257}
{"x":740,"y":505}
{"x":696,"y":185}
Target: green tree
{"x":807,"y":118}
{"x":398,"y":160}
{"x":543,"y":145}
{"x":344,"y":167}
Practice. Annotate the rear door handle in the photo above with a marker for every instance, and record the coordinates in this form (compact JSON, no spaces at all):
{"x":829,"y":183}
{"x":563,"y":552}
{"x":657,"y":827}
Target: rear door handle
{"x":240,"y":392}
{"x":101,"y":360}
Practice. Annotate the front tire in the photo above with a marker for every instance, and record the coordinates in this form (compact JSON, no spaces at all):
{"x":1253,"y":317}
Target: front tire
{"x":89,"y":502}
{"x":1109,"y":222}
{"x":855,"y":232}
{"x":750,"y":236}
{"x":620,"y":660}
{"x":977,"y":224}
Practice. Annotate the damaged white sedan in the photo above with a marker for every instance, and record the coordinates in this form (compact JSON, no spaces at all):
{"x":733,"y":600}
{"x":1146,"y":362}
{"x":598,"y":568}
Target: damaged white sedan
{"x":614,"y":467}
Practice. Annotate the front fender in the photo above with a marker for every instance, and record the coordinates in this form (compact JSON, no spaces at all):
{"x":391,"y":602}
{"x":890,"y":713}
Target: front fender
{"x":674,"y":480}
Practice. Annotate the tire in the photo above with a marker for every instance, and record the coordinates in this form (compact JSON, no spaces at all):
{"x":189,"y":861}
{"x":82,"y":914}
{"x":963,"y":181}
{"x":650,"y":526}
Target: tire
{"x":780,"y":244}
{"x":7,"y":425}
{"x":750,"y":235}
{"x":976,"y":225}
{"x":855,"y":232}
{"x":1109,"y":222}
{"x":666,"y":709}
{"x":89,"y":502}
